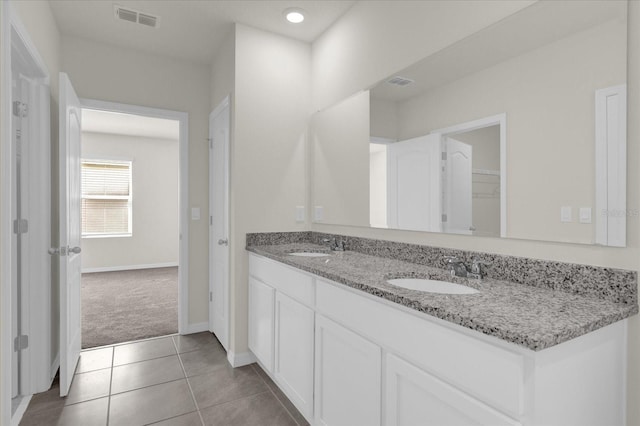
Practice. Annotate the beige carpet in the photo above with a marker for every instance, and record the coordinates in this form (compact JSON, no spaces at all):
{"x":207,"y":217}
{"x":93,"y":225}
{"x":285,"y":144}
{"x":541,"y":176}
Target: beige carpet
{"x":128,"y":305}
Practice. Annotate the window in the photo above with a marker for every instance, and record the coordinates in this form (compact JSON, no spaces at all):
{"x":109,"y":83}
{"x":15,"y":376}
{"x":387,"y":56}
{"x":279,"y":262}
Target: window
{"x":106,"y":198}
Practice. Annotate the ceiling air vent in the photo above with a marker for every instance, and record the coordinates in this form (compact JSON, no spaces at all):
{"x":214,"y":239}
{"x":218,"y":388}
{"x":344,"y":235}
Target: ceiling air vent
{"x":136,"y":17}
{"x":400,"y":81}
{"x":148,"y":20}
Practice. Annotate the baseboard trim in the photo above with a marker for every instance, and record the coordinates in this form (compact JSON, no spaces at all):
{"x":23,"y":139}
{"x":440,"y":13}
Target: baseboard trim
{"x":22,"y":407}
{"x":195,"y":328}
{"x":129,"y":267}
{"x":241,"y":359}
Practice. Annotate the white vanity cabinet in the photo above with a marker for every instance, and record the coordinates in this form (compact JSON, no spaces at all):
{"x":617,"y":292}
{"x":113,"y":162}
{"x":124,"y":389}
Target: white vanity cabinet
{"x":293,"y":368}
{"x":261,"y":327}
{"x":347,"y":377}
{"x":414,"y":397}
{"x":345,"y":357}
{"x":281,"y":327}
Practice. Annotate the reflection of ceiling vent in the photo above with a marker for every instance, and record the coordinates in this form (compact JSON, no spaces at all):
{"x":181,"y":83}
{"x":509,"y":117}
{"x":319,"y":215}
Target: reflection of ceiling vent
{"x":135,"y":16}
{"x":400,"y":81}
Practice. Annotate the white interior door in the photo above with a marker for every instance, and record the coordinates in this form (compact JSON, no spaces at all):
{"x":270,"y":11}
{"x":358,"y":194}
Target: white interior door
{"x":414,"y":184}
{"x":457,"y":187}
{"x":17,"y":201}
{"x":70,"y":233}
{"x":219,"y":222}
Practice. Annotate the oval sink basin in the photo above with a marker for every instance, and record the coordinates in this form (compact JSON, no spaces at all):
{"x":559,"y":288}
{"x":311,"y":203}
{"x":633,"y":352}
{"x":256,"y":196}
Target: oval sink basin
{"x":432,"y":286}
{"x":309,"y":254}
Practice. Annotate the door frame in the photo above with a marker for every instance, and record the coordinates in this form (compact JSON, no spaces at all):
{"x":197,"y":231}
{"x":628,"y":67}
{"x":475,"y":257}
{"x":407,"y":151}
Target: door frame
{"x":500,"y":120}
{"x":37,"y":369}
{"x":183,"y":194}
{"x":226,"y":103}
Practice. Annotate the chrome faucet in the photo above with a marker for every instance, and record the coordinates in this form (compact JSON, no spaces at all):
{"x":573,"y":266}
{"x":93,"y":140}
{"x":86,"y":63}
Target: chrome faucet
{"x":459,"y":269}
{"x":338,"y":244}
{"x":478,"y":269}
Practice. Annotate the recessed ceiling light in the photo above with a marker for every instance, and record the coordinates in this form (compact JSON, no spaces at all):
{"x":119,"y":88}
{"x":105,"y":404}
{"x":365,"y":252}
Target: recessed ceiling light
{"x":294,"y":15}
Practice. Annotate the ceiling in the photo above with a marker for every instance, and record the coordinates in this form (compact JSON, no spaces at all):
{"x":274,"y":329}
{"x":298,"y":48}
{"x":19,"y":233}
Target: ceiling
{"x":129,"y":125}
{"x":191,"y":29}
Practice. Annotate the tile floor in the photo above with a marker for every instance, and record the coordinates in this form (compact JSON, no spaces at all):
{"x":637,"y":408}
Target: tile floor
{"x":173,"y":380}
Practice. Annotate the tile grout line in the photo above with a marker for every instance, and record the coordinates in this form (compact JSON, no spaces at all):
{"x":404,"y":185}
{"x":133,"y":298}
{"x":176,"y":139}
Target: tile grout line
{"x":113,"y":355}
{"x":187,"y":380}
{"x":274,"y":394}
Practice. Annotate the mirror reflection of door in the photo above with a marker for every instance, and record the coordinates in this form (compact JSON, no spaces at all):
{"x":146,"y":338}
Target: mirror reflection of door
{"x":458,"y":208}
{"x":438,"y":183}
{"x":414,"y":184}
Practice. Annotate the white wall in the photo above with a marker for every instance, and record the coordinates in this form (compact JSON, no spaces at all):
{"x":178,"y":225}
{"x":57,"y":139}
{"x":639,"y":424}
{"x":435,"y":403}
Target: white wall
{"x":223,"y":71}
{"x":371,"y":41}
{"x":546,"y":144}
{"x":155,"y":227}
{"x":108,"y":73}
{"x":268,"y":150}
{"x":383,"y":119}
{"x":340,"y":134}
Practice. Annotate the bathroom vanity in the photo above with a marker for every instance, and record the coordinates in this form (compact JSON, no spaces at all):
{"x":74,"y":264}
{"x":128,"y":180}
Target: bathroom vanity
{"x":348,"y":348}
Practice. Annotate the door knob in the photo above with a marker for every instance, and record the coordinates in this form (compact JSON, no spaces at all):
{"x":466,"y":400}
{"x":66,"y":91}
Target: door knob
{"x":63,"y":251}
{"x":223,"y":242}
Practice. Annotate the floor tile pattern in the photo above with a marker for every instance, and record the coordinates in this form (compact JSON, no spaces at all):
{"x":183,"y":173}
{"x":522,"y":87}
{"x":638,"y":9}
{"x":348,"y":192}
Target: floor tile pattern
{"x":169,"y":381}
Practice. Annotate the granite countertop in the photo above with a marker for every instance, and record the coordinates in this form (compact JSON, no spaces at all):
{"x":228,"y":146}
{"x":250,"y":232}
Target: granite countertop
{"x":532,"y":317}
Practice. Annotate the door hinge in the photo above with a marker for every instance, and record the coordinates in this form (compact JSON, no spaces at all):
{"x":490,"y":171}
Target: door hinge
{"x":20,"y":109}
{"x":210,"y":143}
{"x":444,"y":218}
{"x":444,"y":156}
{"x":20,"y":226}
{"x":21,"y":342}
{"x":210,"y":220}
{"x":210,"y":296}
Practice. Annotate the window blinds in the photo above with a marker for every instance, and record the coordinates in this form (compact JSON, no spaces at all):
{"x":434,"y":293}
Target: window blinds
{"x":106,"y":198}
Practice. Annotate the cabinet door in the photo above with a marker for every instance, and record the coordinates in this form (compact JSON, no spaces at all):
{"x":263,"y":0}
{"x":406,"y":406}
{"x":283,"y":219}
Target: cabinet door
{"x":414,"y":397}
{"x":293,"y":369}
{"x":347,"y":377}
{"x":261,"y":306}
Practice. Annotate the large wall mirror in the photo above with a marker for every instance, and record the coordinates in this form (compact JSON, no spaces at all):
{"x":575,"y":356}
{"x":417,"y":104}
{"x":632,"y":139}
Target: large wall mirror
{"x":517,"y":131}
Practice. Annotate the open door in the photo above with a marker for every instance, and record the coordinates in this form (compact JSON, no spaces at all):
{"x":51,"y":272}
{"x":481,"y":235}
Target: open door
{"x":219,"y":222}
{"x":70,"y":233}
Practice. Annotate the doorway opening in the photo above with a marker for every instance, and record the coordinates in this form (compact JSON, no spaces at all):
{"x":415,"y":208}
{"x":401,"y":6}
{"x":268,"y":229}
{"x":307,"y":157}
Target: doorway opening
{"x":484,"y":143}
{"x":132,"y":266}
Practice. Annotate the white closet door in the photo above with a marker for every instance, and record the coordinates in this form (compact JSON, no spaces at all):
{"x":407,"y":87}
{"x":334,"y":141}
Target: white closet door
{"x":414,"y":184}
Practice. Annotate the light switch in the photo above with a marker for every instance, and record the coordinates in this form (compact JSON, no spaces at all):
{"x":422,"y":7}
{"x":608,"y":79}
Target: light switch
{"x":195,"y":213}
{"x":565,"y":214}
{"x":318,"y":213}
{"x":585,"y":214}
{"x":299,"y":213}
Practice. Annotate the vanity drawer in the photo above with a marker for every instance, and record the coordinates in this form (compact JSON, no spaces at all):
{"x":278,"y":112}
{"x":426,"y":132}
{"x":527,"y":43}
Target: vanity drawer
{"x":283,"y":278}
{"x":487,"y":372}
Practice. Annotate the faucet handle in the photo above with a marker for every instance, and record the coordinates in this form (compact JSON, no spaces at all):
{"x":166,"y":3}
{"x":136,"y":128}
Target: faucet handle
{"x":477,"y":266}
